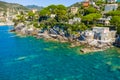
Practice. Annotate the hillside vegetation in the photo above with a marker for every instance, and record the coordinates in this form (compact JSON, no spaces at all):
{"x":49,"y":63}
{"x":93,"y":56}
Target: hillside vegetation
{"x":4,"y":6}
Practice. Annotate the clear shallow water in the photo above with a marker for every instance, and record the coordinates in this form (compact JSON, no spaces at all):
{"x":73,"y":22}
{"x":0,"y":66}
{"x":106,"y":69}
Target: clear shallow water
{"x":27,"y":58}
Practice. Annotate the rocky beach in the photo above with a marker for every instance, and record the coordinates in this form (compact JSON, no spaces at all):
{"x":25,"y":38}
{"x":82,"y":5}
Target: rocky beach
{"x":21,"y":29}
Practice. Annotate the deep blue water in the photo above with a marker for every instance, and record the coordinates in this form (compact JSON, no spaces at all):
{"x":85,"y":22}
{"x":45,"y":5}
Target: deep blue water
{"x":28,"y":58}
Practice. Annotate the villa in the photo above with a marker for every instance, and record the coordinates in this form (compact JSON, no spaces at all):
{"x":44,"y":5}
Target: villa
{"x":104,"y":21}
{"x":2,"y":19}
{"x":86,"y":3}
{"x":88,"y":35}
{"x":104,"y":34}
{"x":100,"y":34}
{"x":52,"y":15}
{"x":34,"y":10}
{"x":110,"y":7}
{"x":111,"y":1}
{"x":74,"y":10}
{"x":75,"y":19}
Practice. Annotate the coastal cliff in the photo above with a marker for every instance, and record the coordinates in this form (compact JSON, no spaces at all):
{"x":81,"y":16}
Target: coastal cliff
{"x":24,"y":30}
{"x":91,"y":24}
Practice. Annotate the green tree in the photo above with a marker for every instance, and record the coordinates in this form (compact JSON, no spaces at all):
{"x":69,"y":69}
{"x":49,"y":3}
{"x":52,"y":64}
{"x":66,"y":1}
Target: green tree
{"x":87,"y":19}
{"x":82,"y":27}
{"x":116,"y":21}
{"x":52,"y":8}
{"x":59,"y":10}
{"x":95,"y":16}
{"x":61,"y":13}
{"x":90,"y":10}
{"x":91,"y":17}
{"x":44,"y":12}
{"x":31,"y":15}
{"x":20,"y":18}
{"x":100,"y":2}
{"x":113,"y":13}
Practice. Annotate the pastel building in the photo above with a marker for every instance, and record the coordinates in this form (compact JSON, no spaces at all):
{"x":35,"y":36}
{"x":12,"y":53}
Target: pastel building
{"x":86,"y":3}
{"x":74,"y":10}
{"x":100,"y":34}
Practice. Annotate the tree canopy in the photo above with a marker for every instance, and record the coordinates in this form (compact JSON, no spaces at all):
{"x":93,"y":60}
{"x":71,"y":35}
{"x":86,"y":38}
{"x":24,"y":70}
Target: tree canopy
{"x":90,"y":9}
{"x":116,"y":21}
{"x":91,"y":17}
{"x":113,"y":13}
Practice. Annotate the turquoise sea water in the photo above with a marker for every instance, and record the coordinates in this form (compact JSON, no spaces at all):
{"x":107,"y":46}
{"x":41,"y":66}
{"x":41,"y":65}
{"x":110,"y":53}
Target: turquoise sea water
{"x":118,"y":0}
{"x":28,"y":58}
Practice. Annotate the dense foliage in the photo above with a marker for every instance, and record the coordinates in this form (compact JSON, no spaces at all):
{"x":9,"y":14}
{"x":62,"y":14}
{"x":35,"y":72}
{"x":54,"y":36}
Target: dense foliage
{"x":61,"y":16}
{"x":116,"y":21}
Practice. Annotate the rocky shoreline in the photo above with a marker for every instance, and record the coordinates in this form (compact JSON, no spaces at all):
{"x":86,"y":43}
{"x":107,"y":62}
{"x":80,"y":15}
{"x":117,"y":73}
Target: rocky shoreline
{"x":23,"y":30}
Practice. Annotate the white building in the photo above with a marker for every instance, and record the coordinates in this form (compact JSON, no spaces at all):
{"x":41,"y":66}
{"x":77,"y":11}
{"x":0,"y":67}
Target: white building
{"x":89,"y":35}
{"x":101,"y":29}
{"x":100,"y":34}
{"x":75,"y":19}
{"x":103,"y":34}
{"x":52,"y":15}
{"x":111,"y":1}
{"x":104,"y":21}
{"x":110,"y":7}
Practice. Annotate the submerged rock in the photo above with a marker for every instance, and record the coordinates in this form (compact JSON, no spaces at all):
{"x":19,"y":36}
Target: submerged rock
{"x":109,"y":63}
{"x":114,"y":68}
{"x":96,"y":66}
{"x":21,"y":58}
{"x":13,"y":30}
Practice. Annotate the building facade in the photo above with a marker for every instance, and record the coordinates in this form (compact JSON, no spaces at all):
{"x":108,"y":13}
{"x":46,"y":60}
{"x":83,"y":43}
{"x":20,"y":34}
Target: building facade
{"x":74,"y":10}
{"x":100,"y":34}
{"x":104,"y":21}
{"x":110,"y":7}
{"x":111,"y":1}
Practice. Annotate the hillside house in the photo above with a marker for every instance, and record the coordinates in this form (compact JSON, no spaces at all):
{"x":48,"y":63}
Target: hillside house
{"x":104,"y":21}
{"x":89,"y":35}
{"x":74,"y":10}
{"x":2,"y":19}
{"x":111,"y":1}
{"x":104,"y":34}
{"x":34,"y":10}
{"x":52,"y":15}
{"x":86,"y":3}
{"x":100,"y":34}
{"x":75,"y":19}
{"x":110,"y":7}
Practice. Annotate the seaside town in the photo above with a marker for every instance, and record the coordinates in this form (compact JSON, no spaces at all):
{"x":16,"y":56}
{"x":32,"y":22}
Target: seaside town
{"x":6,"y":18}
{"x":94,"y":24}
